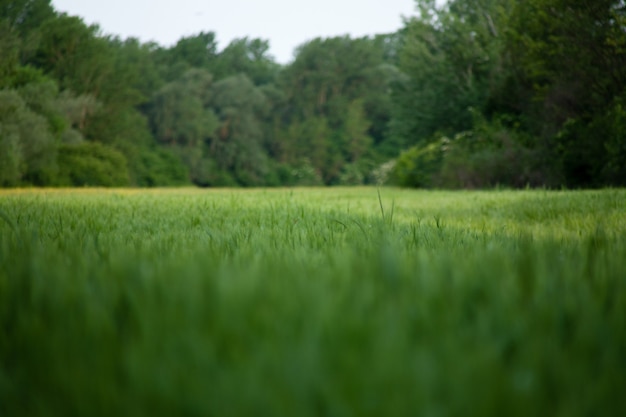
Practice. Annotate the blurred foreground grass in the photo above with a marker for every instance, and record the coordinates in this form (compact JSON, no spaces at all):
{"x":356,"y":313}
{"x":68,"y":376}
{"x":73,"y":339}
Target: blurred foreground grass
{"x":312,"y":302}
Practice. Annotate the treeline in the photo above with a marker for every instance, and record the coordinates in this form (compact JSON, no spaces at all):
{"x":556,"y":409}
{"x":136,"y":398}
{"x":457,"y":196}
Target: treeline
{"x":475,"y":93}
{"x":514,"y":93}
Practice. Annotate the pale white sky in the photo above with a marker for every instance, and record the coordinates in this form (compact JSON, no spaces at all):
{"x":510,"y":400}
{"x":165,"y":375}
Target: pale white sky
{"x":286,"y":24}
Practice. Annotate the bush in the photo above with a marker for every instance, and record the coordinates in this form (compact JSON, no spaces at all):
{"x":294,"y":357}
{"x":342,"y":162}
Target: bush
{"x":351,"y":175}
{"x":153,"y":166}
{"x":300,"y":174}
{"x":159,"y":167}
{"x":502,"y":161}
{"x":221,"y":178}
{"x":418,"y":166}
{"x":381,"y":175}
{"x":489,"y":155}
{"x":92,"y":164}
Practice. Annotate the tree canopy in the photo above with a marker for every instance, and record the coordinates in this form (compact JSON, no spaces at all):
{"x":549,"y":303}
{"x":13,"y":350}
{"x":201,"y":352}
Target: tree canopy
{"x":469,"y":93}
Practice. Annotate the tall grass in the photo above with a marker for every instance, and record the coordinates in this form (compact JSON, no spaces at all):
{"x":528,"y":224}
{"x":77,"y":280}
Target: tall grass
{"x":312,"y":302}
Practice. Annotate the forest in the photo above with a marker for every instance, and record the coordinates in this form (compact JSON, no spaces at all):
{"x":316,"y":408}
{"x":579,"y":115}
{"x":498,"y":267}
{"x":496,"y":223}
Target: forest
{"x":469,"y":94}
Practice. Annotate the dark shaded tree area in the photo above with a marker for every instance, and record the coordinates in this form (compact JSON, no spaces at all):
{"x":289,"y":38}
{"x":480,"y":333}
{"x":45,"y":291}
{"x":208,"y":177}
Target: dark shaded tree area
{"x":475,"y":93}
{"x":513,"y":93}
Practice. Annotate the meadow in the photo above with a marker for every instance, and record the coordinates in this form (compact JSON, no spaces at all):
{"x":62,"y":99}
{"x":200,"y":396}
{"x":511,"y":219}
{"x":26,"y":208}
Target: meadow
{"x":312,"y":302}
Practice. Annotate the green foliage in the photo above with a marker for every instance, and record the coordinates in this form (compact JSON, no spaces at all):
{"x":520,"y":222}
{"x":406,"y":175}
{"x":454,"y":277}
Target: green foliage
{"x":419,"y":165}
{"x":152,"y":166}
{"x":572,"y":55}
{"x":336,"y":103}
{"x":305,"y":302}
{"x":72,"y":53}
{"x":202,"y":169}
{"x":551,"y":69}
{"x":546,"y":76}
{"x":593,"y":152}
{"x":303,"y":174}
{"x":179,"y":110}
{"x":27,"y":148}
{"x":381,"y":174}
{"x":160,"y":167}
{"x":25,"y":16}
{"x":41,"y":94}
{"x":451,"y":58}
{"x":503,"y":163}
{"x":614,"y":171}
{"x":136,"y":75}
{"x":9,"y":50}
{"x":10,"y":158}
{"x":356,"y":140}
{"x":92,"y":164}
{"x":491,"y":154}
{"x":198,"y":51}
{"x":237,"y":146}
{"x":494,"y":154}
{"x":352,"y":175}
{"x":249,"y":57}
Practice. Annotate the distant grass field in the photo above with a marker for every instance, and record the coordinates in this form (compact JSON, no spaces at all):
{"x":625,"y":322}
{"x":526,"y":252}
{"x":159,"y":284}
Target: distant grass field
{"x":312,"y":302}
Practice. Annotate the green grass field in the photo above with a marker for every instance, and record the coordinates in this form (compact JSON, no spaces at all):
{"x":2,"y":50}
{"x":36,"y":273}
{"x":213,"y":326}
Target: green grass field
{"x":312,"y":302}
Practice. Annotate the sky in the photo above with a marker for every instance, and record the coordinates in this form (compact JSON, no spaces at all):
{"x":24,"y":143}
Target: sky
{"x":285,"y":24}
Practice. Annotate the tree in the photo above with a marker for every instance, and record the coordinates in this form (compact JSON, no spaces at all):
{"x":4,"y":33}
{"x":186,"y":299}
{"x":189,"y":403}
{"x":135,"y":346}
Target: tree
{"x":356,"y":140}
{"x":74,"y":54}
{"x":9,"y":51}
{"x":335,"y":104}
{"x":135,"y":75}
{"x":41,"y":95}
{"x":452,"y":59}
{"x":180,"y":113}
{"x":571,"y":56}
{"x":25,"y":16}
{"x":249,"y":57}
{"x":27,"y":148}
{"x":198,"y":51}
{"x":237,"y":146}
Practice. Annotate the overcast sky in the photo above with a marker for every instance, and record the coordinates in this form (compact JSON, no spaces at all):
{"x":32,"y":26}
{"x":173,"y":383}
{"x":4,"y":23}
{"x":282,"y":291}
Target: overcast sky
{"x":285,"y":23}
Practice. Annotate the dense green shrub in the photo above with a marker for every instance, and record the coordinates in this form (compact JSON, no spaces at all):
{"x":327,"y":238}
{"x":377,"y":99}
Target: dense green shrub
{"x":153,"y":166}
{"x":284,"y":174}
{"x":302,"y":174}
{"x":92,"y":164}
{"x":490,"y":154}
{"x":159,"y":167}
{"x":352,"y":174}
{"x":501,"y":160}
{"x":418,"y":166}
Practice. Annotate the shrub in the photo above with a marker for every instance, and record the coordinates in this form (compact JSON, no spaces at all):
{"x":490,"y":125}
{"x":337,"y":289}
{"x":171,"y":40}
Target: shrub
{"x":300,"y":174}
{"x":381,"y":175}
{"x":159,"y":167}
{"x":500,"y":161}
{"x":351,"y":175}
{"x":418,"y":166}
{"x":92,"y":164}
